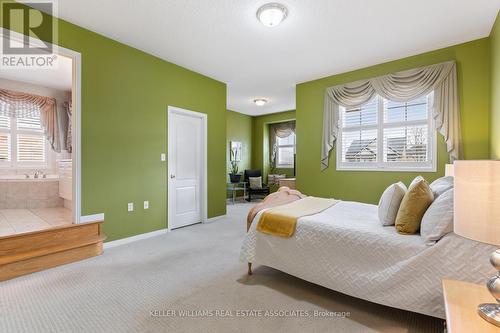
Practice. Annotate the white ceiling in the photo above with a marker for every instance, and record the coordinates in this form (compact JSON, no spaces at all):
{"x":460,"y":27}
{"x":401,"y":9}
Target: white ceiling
{"x":223,"y":39}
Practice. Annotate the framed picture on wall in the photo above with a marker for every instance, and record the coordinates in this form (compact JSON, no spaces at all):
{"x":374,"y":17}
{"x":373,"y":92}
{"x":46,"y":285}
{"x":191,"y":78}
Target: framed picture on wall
{"x":235,"y":151}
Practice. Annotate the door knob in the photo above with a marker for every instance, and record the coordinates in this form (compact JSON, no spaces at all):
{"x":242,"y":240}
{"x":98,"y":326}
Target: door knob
{"x":172,"y":176}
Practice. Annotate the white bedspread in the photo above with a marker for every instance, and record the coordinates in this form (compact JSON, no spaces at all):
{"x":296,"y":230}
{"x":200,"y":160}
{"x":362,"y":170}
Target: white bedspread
{"x":345,"y":248}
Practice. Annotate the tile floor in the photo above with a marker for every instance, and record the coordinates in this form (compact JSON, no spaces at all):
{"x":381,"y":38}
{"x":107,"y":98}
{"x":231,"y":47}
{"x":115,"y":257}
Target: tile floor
{"x":15,"y":221}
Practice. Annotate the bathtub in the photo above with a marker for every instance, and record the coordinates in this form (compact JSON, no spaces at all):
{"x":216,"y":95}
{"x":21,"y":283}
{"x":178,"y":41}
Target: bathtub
{"x":19,"y":192}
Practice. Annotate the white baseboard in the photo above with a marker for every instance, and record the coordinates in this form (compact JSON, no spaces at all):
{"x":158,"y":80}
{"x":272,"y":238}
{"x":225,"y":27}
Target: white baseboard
{"x":92,"y":218}
{"x":215,"y":218}
{"x":147,"y":235}
{"x":135,"y":238}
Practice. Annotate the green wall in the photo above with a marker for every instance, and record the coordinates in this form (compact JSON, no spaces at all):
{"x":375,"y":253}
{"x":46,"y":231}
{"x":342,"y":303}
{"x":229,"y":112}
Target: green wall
{"x":239,"y":128}
{"x":495,"y":89}
{"x":473,"y":60}
{"x":125,"y":94}
{"x":260,"y":152}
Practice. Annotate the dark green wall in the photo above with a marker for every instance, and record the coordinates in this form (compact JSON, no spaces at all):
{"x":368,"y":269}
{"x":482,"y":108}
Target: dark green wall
{"x":125,"y":94}
{"x":260,"y":152}
{"x":495,"y":89}
{"x":473,"y":60}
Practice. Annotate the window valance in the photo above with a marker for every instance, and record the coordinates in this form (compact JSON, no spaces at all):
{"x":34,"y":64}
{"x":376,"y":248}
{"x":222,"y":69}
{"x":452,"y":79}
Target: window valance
{"x":399,"y":87}
{"x":68,"y":142}
{"x":21,"y":105}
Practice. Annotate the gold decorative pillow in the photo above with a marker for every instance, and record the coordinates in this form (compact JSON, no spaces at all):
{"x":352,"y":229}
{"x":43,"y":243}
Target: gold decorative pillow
{"x":413,"y":207}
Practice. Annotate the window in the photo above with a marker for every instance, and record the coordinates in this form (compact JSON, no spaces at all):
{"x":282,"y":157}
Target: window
{"x":22,"y":142}
{"x":387,"y":135}
{"x":285,"y":151}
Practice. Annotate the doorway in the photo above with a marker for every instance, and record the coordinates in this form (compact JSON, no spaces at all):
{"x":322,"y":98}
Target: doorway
{"x":42,"y":172}
{"x":187,"y":167}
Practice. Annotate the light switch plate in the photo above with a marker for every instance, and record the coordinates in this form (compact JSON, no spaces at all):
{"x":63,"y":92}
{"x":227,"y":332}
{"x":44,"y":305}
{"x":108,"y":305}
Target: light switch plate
{"x":163,"y":157}
{"x":146,"y":204}
{"x":130,"y":206}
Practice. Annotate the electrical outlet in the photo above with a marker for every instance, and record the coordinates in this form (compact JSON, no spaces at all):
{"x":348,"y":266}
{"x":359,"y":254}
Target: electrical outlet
{"x":146,"y":204}
{"x":163,"y":157}
{"x":130,"y":206}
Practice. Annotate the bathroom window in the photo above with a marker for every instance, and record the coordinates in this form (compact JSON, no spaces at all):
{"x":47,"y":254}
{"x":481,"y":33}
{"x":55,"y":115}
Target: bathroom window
{"x":22,"y":142}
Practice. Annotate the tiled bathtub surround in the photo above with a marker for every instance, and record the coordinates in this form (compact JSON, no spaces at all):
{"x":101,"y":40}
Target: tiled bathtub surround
{"x":41,"y":193}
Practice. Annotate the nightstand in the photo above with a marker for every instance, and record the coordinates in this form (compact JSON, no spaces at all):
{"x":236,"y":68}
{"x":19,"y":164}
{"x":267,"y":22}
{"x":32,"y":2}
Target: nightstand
{"x":461,"y":300}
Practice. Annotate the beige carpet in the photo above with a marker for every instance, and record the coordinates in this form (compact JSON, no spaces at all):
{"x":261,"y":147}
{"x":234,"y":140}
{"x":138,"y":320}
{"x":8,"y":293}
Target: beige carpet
{"x":145,"y":287}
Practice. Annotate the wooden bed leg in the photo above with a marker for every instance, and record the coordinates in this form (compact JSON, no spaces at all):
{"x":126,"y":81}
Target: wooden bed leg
{"x":249,"y":268}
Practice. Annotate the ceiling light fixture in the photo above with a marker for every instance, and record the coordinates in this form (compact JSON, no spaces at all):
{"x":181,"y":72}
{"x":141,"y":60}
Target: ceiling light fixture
{"x":260,"y":101}
{"x":272,"y":14}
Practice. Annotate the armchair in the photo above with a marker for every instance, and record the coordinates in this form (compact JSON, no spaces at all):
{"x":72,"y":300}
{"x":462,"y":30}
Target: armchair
{"x":264,"y":190}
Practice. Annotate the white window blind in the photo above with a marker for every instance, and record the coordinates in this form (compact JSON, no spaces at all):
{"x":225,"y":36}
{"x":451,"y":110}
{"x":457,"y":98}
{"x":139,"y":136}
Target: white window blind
{"x":30,"y":148}
{"x":4,"y":139}
{"x":389,"y":135}
{"x":285,"y":151}
{"x":22,"y":142}
{"x":359,"y":146}
{"x":30,"y":124}
{"x":4,"y":147}
{"x":4,"y":123}
{"x":362,"y":116}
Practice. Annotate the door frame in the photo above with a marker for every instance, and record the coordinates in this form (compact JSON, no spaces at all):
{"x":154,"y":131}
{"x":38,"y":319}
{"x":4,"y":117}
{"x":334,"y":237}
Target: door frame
{"x":204,"y":150}
{"x":76,"y":93}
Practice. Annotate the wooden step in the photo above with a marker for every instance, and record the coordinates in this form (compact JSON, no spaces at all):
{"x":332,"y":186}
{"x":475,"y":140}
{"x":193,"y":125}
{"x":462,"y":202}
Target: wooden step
{"x":30,"y":252}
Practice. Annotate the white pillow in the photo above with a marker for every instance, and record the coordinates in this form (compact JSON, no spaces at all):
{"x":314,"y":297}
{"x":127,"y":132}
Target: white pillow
{"x":416,"y":180}
{"x":389,"y":203}
{"x":438,"y":219}
{"x":255,"y":182}
{"x":441,"y":185}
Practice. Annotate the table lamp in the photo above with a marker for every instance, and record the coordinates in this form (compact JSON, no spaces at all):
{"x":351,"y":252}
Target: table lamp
{"x":477,"y":216}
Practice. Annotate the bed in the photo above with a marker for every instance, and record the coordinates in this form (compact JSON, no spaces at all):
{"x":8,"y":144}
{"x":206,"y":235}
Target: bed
{"x":346,"y":249}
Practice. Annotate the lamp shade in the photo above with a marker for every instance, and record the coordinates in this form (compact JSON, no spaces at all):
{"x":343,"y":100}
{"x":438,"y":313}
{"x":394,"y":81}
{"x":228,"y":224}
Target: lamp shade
{"x":448,"y":170}
{"x":477,"y":200}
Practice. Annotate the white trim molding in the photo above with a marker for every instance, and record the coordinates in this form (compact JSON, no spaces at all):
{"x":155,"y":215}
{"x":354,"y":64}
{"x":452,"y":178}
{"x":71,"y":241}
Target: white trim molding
{"x":92,"y":218}
{"x":123,"y":241}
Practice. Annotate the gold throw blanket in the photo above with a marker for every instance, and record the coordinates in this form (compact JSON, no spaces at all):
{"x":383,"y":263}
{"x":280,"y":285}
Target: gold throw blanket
{"x":282,"y":220}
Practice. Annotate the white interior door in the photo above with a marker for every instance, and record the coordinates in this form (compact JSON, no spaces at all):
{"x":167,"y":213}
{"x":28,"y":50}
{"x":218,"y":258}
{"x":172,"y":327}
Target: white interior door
{"x":185,"y":168}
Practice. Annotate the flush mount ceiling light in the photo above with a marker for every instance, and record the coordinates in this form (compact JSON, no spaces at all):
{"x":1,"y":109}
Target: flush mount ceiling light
{"x":260,"y":101}
{"x":271,"y":14}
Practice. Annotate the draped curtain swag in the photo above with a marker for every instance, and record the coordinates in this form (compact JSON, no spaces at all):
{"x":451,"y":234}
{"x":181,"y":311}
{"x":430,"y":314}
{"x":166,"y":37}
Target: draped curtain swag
{"x":400,"y":87}
{"x":281,"y":130}
{"x":68,"y":143}
{"x":21,"y":105}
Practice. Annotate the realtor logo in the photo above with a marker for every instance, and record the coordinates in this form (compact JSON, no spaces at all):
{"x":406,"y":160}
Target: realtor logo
{"x":29,"y":35}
